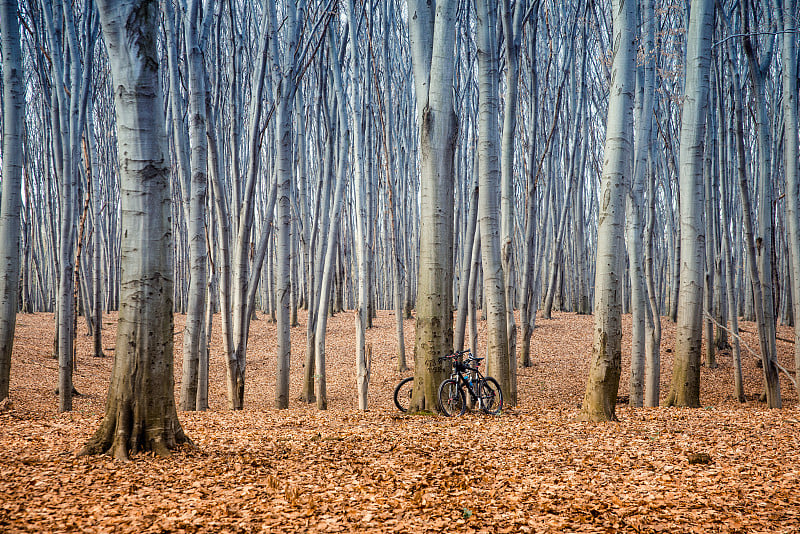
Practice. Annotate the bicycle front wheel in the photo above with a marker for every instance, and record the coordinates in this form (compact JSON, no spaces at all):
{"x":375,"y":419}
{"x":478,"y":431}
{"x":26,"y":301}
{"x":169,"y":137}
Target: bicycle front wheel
{"x":451,"y":398}
{"x":402,"y":394}
{"x":491,"y":396}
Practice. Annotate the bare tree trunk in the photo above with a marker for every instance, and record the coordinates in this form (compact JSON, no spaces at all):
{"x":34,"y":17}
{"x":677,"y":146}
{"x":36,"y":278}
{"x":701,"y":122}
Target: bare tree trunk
{"x":685,"y":386}
{"x":763,"y":241}
{"x":791,"y":125}
{"x":599,"y":402}
{"x":13,"y":132}
{"x":498,"y":364}
{"x":140,"y":408}
{"x":432,"y":38}
{"x":194,"y":333}
{"x":633,"y":208}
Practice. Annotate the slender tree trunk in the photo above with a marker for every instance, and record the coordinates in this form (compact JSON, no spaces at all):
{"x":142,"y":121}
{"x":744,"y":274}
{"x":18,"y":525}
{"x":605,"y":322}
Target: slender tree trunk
{"x":194,"y":333}
{"x":599,"y":402}
{"x":685,"y":386}
{"x":13,"y":132}
{"x":498,"y":362}
{"x":791,"y":125}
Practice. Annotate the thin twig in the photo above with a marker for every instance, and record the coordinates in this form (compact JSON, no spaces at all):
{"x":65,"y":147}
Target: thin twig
{"x":738,"y":337}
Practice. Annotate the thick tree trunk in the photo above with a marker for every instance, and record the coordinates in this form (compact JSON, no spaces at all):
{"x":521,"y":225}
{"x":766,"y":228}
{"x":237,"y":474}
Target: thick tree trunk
{"x":140,"y":407}
{"x":432,"y":38}
{"x":599,"y":402}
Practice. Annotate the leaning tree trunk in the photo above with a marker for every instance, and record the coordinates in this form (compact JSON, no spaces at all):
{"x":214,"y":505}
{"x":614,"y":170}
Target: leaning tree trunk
{"x":685,"y":387}
{"x":13,"y":124}
{"x":140,"y":407}
{"x":599,"y":402}
{"x":432,"y":39}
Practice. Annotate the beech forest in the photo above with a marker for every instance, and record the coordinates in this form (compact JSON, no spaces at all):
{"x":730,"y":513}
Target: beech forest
{"x":487,"y":266}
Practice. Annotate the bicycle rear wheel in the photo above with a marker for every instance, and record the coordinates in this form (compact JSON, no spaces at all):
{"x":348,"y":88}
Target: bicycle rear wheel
{"x":402,"y":394}
{"x":451,"y":398}
{"x":491,"y":396}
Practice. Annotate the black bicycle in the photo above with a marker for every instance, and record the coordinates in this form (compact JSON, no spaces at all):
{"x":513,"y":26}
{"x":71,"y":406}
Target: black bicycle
{"x":402,"y":393}
{"x":484,"y":392}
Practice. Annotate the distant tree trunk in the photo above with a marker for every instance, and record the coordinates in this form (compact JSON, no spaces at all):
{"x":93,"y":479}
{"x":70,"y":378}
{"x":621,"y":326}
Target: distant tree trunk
{"x":361,"y":238}
{"x":599,"y":402}
{"x":13,"y":132}
{"x":140,"y":407}
{"x":432,"y":37}
{"x":685,"y":386}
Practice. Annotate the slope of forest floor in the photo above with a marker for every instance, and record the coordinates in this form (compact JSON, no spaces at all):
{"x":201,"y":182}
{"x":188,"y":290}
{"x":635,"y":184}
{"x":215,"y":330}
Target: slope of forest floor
{"x":531,"y":469}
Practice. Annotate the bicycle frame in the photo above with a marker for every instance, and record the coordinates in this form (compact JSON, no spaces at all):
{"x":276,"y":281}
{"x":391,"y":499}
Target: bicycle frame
{"x":467,"y":375}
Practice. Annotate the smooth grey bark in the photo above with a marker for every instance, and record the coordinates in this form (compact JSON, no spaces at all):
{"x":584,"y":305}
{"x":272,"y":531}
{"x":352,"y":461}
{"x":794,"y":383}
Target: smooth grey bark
{"x":361,"y":231}
{"x":599,"y":402}
{"x":758,"y":70}
{"x":432,"y":36}
{"x":512,"y":21}
{"x":640,"y":311}
{"x":330,"y":244}
{"x":791,"y":125}
{"x":13,"y":139}
{"x":283,"y":80}
{"x":498,"y":362}
{"x":140,"y":408}
{"x":685,"y":385}
{"x":194,"y":335}
{"x":466,"y":261}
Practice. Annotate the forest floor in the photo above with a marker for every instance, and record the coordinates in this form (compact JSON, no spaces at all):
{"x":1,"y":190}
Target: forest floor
{"x":534,"y":468}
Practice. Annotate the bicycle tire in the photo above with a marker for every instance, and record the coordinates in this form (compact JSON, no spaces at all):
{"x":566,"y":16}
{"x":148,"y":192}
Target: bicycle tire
{"x":451,"y":398}
{"x":402,"y":394}
{"x":491,"y":396}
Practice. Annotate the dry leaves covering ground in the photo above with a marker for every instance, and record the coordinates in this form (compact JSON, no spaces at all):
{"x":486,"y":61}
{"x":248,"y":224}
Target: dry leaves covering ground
{"x":532,"y":469}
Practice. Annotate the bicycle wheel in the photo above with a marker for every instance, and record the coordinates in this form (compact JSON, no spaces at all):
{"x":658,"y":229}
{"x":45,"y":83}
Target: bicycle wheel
{"x":491,"y":396}
{"x":402,"y":393}
{"x":451,"y":398}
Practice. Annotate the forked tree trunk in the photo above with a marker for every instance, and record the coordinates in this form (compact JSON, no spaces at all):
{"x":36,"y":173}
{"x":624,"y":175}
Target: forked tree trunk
{"x":140,"y":407}
{"x":13,"y":123}
{"x":685,"y":387}
{"x":599,"y":402}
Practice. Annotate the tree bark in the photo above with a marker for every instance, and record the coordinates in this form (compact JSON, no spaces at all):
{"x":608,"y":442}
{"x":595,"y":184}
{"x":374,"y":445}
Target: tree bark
{"x":13,"y":136}
{"x":685,"y":386}
{"x":432,"y":36}
{"x":599,"y":402}
{"x":140,"y":408}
